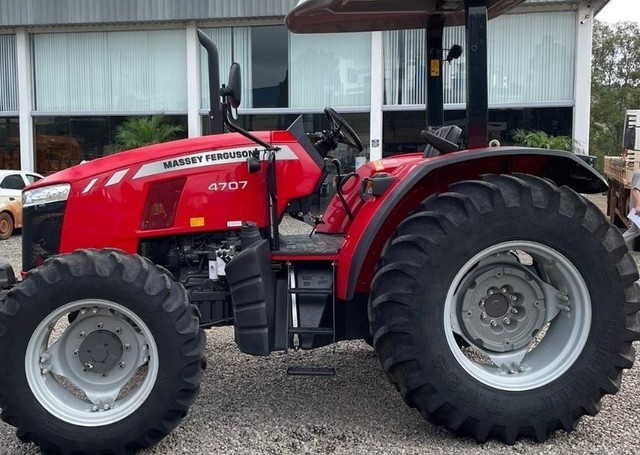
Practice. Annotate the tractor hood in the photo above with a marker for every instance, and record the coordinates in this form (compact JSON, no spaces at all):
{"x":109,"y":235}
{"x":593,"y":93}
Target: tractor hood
{"x":141,"y":155}
{"x":331,"y":16}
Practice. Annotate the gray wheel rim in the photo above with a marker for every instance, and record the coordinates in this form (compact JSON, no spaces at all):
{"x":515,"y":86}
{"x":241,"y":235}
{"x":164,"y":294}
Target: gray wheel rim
{"x":120,"y":338}
{"x":564,"y":309}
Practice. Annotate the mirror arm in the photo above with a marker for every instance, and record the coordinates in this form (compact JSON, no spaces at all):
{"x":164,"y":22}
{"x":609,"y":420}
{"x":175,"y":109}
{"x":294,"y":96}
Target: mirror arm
{"x":237,"y":129}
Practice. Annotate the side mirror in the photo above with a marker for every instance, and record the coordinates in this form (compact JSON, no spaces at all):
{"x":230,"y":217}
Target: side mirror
{"x":233,"y":90}
{"x":454,"y":53}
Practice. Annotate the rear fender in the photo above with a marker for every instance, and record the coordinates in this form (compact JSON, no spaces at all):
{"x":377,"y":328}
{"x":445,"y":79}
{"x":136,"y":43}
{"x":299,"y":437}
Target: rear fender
{"x":378,"y":219}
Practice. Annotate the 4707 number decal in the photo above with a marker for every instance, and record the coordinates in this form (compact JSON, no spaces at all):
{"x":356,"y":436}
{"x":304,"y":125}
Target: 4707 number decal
{"x":228,"y":186}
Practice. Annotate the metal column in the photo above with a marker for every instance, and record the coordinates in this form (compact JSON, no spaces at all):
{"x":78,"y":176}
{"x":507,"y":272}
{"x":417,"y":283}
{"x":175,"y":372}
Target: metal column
{"x":433,"y":70}
{"x":477,"y":81}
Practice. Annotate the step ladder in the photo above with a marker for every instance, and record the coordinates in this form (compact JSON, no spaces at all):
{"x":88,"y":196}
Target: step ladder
{"x":294,"y":330}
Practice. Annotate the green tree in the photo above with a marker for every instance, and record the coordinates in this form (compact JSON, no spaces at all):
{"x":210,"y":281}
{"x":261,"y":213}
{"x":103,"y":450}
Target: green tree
{"x":615,"y":85}
{"x":140,"y":131}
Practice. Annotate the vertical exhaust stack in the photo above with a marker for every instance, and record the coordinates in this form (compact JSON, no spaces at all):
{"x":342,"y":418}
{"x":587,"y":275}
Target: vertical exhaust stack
{"x":216,"y":124}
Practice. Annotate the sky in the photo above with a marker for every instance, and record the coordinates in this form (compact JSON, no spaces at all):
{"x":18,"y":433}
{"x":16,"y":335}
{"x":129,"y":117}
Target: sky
{"x":620,"y":10}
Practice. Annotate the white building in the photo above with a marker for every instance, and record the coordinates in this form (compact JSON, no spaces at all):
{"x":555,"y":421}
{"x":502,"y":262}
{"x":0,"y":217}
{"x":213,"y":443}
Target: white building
{"x":71,"y":71}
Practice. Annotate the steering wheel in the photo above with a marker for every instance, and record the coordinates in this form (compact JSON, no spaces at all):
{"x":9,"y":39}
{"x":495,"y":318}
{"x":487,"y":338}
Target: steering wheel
{"x":341,"y":131}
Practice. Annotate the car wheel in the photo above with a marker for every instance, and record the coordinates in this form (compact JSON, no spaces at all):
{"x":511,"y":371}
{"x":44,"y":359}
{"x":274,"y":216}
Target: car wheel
{"x":6,"y":225}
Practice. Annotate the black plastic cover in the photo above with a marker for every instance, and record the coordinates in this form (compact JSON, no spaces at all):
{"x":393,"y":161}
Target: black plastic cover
{"x":252,"y":285}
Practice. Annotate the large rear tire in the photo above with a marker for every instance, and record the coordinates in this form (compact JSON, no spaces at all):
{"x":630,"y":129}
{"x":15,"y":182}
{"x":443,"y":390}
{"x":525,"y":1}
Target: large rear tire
{"x":117,"y":378}
{"x":538,"y":285}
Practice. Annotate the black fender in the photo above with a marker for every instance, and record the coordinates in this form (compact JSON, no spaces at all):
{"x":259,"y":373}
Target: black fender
{"x":561,"y":167}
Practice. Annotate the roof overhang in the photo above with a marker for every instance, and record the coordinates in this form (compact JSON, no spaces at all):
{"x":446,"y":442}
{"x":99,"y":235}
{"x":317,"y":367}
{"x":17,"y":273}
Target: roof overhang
{"x":330,"y":16}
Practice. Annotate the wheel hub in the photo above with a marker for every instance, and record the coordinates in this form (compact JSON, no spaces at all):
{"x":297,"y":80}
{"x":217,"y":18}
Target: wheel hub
{"x":100,"y":352}
{"x":496,"y":305}
{"x":502,"y":307}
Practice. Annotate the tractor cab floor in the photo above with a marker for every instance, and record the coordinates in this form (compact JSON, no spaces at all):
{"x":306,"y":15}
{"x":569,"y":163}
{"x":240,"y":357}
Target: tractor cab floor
{"x":317,"y":244}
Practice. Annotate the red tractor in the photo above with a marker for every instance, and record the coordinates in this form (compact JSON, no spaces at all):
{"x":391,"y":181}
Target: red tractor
{"x":500,"y":302}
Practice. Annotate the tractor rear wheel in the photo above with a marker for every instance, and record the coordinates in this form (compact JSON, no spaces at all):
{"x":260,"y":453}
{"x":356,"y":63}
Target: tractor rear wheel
{"x":538,"y":285}
{"x":118,"y":377}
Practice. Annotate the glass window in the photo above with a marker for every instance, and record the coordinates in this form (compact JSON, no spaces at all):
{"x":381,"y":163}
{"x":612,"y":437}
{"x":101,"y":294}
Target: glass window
{"x":629,"y":135}
{"x":404,"y":81}
{"x":401,"y":130}
{"x":62,"y":142}
{"x":12,"y":182}
{"x":531,"y":58}
{"x":269,"y":66}
{"x":31,"y":178}
{"x":234,"y":45}
{"x":111,"y":71}
{"x":8,"y":74}
{"x":9,"y":143}
{"x":330,"y":70}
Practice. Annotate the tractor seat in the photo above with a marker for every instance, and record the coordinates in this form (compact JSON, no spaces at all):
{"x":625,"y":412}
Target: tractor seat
{"x":444,"y":140}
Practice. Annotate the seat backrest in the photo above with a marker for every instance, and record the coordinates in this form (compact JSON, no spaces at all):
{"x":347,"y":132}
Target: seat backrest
{"x":450,"y":133}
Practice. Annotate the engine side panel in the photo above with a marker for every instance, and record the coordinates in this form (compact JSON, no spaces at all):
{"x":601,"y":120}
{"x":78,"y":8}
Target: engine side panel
{"x":107,"y":209}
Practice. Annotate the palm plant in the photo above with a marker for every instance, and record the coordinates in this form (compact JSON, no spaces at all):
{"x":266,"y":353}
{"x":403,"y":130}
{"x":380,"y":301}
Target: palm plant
{"x":140,"y":131}
{"x":540,"y":139}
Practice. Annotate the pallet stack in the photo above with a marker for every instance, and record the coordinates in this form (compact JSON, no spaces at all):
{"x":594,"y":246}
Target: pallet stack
{"x":622,"y":168}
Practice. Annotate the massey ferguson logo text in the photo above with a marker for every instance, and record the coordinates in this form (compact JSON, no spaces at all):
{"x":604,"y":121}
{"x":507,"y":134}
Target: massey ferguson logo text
{"x":209,"y":157}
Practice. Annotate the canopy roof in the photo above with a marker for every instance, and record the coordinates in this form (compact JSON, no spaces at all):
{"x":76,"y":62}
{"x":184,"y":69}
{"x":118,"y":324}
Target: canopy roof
{"x":328,"y":16}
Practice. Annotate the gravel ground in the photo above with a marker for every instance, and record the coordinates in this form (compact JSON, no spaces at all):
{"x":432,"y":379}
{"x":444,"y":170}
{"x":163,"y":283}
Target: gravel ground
{"x":248,"y":405}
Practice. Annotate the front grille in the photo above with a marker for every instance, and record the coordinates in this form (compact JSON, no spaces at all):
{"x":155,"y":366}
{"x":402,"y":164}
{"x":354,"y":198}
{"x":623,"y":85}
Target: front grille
{"x":41,"y":233}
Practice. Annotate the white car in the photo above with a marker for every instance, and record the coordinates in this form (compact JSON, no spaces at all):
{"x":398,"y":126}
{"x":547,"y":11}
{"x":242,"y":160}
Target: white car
{"x":11,"y":185}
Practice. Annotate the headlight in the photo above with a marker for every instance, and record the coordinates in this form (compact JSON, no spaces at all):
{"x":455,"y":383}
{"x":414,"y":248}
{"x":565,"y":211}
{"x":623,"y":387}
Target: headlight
{"x":46,"y":195}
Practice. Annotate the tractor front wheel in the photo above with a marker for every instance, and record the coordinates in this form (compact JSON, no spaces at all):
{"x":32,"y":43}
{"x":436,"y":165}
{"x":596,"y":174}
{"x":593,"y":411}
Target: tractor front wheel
{"x":115,"y":379}
{"x":505,"y":308}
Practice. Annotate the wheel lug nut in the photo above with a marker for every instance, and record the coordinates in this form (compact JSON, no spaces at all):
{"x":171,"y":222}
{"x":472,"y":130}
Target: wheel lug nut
{"x":122,"y":365}
{"x":506,"y":321}
{"x":494,"y":323}
{"x":503,"y":289}
{"x":94,"y":310}
{"x":82,"y":334}
{"x":511,"y":370}
{"x":99,"y":325}
{"x":118,"y":330}
{"x":106,"y":406}
{"x":94,"y":408}
{"x":514,"y":310}
{"x":521,"y":369}
{"x":514,"y":297}
{"x":491,"y":291}
{"x":45,"y":371}
{"x":76,"y":353}
{"x":127,"y":347}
